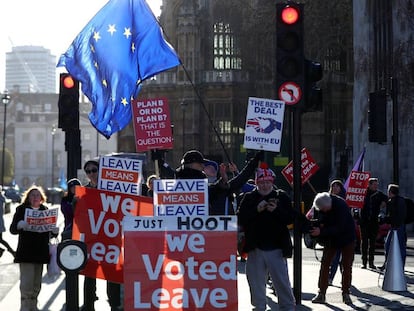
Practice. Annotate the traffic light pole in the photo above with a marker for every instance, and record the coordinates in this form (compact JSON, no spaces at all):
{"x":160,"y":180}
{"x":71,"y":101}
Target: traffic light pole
{"x":297,"y":189}
{"x":395,"y":141}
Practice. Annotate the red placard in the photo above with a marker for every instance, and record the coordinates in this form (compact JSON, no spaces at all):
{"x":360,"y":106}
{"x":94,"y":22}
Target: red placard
{"x":97,"y":222}
{"x":152,"y":124}
{"x":180,"y":269}
{"x":357,"y":189}
{"x":309,"y":168}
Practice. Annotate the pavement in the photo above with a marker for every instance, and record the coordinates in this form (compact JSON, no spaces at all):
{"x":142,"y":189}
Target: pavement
{"x":366,"y":291}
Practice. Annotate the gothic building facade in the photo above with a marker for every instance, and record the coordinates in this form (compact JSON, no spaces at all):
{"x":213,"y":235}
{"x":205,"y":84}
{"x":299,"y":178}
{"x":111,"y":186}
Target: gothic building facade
{"x":228,"y":55}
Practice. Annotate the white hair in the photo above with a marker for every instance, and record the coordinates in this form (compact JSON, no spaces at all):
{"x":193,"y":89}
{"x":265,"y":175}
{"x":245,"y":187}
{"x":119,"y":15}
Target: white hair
{"x":322,"y":199}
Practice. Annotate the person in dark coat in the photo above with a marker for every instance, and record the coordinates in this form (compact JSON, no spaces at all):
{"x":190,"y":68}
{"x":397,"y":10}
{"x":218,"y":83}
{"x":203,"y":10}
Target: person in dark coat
{"x":221,"y":191}
{"x":375,"y":201}
{"x":264,"y":215}
{"x":336,"y":231}
{"x":32,"y":248}
{"x":395,"y":215}
{"x":67,"y":207}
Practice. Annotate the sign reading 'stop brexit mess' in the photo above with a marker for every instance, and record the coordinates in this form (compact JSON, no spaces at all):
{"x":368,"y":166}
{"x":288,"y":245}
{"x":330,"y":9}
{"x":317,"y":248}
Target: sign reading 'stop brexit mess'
{"x":180,"y":197}
{"x":97,"y":222}
{"x":152,"y":124}
{"x":357,"y":189}
{"x":41,"y":220}
{"x":264,"y":123}
{"x":120,"y":175}
{"x":175,"y":263}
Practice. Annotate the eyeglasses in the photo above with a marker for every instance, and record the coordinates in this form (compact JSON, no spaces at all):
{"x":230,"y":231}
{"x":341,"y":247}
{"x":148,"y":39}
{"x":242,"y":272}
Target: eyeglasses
{"x":94,"y":170}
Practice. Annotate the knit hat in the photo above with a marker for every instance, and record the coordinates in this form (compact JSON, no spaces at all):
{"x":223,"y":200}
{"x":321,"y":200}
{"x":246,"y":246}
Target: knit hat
{"x":74,"y":182}
{"x":211,"y":163}
{"x":264,"y":173}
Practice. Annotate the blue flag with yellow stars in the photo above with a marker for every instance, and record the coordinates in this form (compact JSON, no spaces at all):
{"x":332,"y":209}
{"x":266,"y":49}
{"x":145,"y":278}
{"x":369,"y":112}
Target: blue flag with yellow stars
{"x":120,"y":47}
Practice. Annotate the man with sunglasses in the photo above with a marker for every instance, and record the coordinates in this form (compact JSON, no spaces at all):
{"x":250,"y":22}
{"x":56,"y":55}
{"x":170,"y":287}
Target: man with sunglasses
{"x":113,"y":290}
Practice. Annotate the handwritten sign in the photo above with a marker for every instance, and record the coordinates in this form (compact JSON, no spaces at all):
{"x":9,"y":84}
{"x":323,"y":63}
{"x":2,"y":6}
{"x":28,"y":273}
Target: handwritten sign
{"x":308,"y":164}
{"x":152,"y":124}
{"x":97,"y":222}
{"x":179,"y":197}
{"x":264,"y":123}
{"x":175,"y":263}
{"x":120,"y":175}
{"x":357,"y":189}
{"x":41,"y":220}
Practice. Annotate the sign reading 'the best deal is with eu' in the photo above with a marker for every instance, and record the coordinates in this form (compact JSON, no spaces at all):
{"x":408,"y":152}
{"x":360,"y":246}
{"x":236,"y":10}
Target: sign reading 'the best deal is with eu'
{"x":180,"y":197}
{"x":175,"y":263}
{"x":264,"y":123}
{"x":120,"y":175}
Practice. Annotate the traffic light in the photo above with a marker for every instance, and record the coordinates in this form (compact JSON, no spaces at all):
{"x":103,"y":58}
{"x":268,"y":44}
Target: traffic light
{"x":313,"y":94}
{"x":68,"y":102}
{"x":377,"y":117}
{"x":289,"y":53}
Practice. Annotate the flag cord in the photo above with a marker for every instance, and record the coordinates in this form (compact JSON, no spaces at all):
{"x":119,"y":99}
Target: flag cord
{"x":206,"y":111}
{"x":199,"y":98}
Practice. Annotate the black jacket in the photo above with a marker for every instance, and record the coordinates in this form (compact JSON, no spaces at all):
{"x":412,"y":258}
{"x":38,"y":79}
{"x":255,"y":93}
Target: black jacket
{"x":337,"y":225}
{"x":32,"y":247}
{"x":266,"y":230}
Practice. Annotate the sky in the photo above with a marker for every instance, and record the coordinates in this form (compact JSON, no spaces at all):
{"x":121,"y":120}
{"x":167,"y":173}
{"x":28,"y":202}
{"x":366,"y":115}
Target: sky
{"x":52,"y":24}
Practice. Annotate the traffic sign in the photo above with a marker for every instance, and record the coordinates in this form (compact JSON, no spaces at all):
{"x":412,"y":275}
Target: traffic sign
{"x":290,"y":93}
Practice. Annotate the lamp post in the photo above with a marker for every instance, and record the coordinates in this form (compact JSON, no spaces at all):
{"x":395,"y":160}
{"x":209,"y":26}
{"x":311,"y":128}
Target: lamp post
{"x":53,"y":132}
{"x":5,"y":99}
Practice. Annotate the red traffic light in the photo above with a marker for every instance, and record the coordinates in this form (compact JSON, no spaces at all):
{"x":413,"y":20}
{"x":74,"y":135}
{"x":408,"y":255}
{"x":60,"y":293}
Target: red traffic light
{"x":68,"y":81}
{"x":289,"y":15}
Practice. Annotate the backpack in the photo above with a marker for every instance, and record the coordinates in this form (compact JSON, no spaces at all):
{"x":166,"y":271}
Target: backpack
{"x":409,"y":217}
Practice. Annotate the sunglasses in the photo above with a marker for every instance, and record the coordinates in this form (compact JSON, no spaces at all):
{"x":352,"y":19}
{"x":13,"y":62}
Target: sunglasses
{"x":94,"y":170}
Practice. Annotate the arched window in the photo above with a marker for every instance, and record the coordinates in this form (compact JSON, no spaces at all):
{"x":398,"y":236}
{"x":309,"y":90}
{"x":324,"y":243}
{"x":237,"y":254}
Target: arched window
{"x":226,"y":54}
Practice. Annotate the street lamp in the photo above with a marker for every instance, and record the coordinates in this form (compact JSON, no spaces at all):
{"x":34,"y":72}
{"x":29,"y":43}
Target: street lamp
{"x":53,"y":132}
{"x":5,"y":99}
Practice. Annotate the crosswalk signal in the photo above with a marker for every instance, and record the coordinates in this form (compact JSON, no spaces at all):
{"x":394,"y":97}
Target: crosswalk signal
{"x":289,"y":53}
{"x":68,"y":103}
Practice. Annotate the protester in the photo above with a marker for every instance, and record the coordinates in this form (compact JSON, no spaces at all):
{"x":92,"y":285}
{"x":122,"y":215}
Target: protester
{"x":336,"y":188}
{"x":150,"y":186}
{"x":221,"y":190}
{"x":336,"y":231}
{"x":2,"y":226}
{"x":375,"y":201}
{"x":113,"y":290}
{"x":264,"y":214}
{"x":32,"y":248}
{"x":67,"y":207}
{"x":395,"y":215}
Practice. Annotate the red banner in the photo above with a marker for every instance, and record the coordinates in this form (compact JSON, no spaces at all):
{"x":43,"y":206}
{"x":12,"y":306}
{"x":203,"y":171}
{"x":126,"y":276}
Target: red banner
{"x":97,"y":222}
{"x":308,"y":164}
{"x":152,"y":124}
{"x":181,"y":268}
{"x":357,"y":189}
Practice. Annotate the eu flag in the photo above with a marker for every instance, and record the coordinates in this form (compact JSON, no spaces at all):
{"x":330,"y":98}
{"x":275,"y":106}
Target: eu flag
{"x":120,"y":47}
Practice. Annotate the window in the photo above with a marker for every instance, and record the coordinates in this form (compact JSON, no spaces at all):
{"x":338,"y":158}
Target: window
{"x":226,"y":52}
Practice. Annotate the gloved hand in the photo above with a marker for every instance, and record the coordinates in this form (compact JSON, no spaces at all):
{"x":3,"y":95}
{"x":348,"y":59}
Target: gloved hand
{"x":55,"y":230}
{"x":259,"y":156}
{"x":22,"y":225}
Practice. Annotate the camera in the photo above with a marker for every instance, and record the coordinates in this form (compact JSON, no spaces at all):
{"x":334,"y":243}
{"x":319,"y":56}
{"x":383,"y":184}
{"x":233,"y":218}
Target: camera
{"x":315,"y":223}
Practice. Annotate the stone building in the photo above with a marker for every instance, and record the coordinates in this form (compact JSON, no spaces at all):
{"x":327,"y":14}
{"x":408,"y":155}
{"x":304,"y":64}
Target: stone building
{"x":384,"y":51}
{"x":227,"y":51}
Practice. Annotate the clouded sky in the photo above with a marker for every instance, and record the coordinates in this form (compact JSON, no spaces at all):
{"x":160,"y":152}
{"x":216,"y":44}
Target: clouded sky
{"x":52,"y":24}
